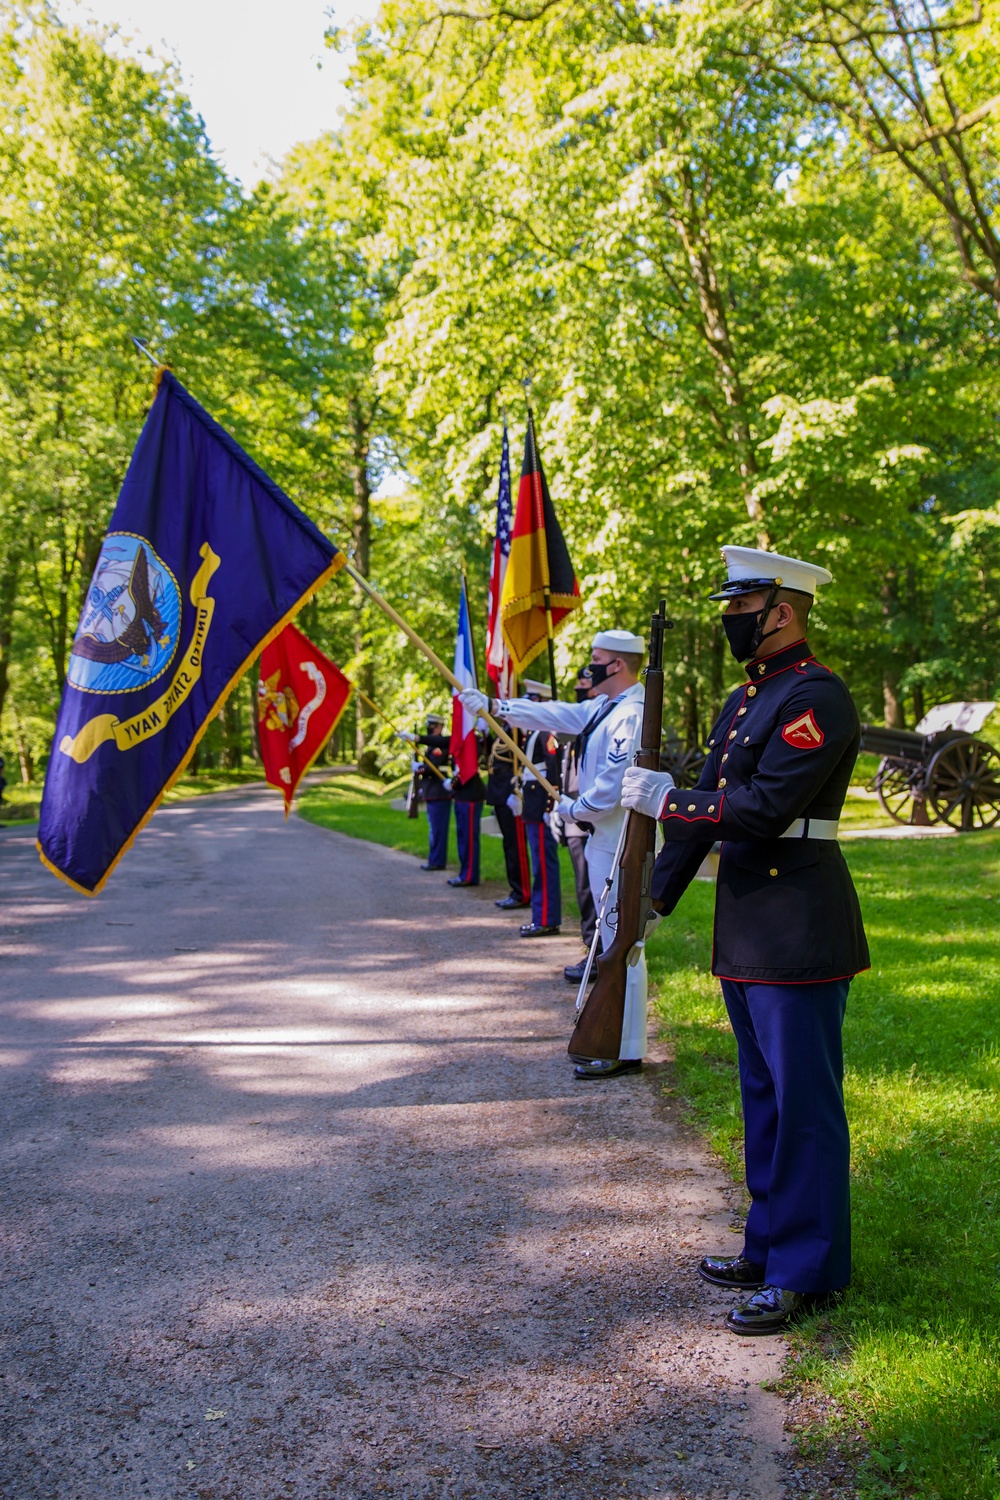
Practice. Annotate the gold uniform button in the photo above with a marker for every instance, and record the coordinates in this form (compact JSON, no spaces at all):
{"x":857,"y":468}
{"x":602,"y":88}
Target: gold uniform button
{"x":673,"y":807}
{"x":746,"y":739}
{"x":774,"y":872}
{"x":725,"y":757}
{"x":722,"y":781}
{"x":692,"y":806}
{"x":740,"y":712}
{"x":711,"y":743}
{"x":732,"y":734}
{"x":751,"y":690}
{"x":711,"y":807}
{"x":762,"y":669}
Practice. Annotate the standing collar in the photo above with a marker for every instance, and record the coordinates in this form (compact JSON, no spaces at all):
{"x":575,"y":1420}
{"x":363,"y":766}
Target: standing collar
{"x":780,"y":661}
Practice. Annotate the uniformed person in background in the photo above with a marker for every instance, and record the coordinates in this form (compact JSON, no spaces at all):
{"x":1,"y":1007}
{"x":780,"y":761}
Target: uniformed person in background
{"x":433,"y":791}
{"x":500,"y":790}
{"x":608,"y":731}
{"x":468,"y":797}
{"x":542,"y":750}
{"x":788,"y":930}
{"x":574,"y":836}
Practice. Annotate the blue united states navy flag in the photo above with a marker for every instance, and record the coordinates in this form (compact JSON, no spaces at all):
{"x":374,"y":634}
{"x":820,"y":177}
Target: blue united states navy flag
{"x":205,"y":560}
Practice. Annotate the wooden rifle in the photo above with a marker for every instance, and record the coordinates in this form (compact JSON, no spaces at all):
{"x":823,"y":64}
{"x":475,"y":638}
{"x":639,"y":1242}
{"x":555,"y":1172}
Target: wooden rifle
{"x":598,"y":1030}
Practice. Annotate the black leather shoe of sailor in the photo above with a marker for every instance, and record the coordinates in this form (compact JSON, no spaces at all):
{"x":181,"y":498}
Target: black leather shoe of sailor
{"x":740,"y":1274}
{"x":573,"y":973}
{"x":597,"y":1069}
{"x":511,"y":903}
{"x":772,"y":1310}
{"x":530,"y":929}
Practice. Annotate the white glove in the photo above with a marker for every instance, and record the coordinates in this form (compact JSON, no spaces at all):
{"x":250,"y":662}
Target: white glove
{"x":475,"y":701}
{"x":555,"y":822}
{"x":416,"y":765}
{"x":564,"y":807}
{"x":645,"y":791}
{"x":404,"y":734}
{"x":516,"y":803}
{"x":447,"y":783}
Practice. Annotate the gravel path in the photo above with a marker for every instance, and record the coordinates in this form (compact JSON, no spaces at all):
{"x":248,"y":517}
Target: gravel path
{"x":300,"y":1200}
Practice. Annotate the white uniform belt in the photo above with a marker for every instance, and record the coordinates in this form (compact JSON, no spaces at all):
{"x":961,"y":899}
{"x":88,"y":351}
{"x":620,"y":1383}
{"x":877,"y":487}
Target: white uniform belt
{"x":812,"y":828}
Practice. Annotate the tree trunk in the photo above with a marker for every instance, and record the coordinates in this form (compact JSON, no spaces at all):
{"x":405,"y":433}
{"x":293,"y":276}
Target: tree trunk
{"x":252,"y":679}
{"x":891,"y":696}
{"x":918,"y":703}
{"x":693,"y":233}
{"x":361,"y":536}
{"x":8,"y":593}
{"x":891,"y":700}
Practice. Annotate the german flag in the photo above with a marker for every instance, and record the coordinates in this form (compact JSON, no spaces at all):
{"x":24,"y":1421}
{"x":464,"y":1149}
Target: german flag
{"x":539,"y":587}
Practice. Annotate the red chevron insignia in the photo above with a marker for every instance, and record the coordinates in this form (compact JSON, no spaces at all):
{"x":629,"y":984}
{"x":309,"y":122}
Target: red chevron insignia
{"x":804,"y":733}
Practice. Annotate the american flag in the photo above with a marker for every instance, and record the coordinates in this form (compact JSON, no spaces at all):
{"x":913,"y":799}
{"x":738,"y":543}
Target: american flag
{"x":499,"y":668}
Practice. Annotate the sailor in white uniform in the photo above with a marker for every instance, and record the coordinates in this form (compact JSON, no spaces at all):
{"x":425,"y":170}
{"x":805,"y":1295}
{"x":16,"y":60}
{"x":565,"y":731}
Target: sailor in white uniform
{"x":608,"y":728}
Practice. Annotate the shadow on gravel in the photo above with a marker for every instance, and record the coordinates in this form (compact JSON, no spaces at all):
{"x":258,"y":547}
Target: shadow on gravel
{"x":283,"y":1219}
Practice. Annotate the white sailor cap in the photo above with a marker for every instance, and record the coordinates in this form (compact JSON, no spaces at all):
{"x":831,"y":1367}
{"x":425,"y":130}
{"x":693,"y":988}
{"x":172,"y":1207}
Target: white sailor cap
{"x":751,"y":569}
{"x":540,"y":689}
{"x":620,"y":640}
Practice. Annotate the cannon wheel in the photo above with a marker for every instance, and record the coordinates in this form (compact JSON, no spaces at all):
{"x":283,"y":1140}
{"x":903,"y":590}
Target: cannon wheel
{"x":963,"y":784}
{"x":685,"y":766}
{"x":894,"y":784}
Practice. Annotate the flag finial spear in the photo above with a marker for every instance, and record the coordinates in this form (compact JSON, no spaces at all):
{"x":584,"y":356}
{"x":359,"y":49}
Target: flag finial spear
{"x":143,"y":349}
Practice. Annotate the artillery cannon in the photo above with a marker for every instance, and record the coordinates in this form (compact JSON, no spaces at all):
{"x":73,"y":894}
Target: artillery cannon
{"x":939,"y":772}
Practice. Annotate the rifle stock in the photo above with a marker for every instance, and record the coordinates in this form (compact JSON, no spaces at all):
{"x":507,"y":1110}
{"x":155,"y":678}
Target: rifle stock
{"x":598,"y":1031}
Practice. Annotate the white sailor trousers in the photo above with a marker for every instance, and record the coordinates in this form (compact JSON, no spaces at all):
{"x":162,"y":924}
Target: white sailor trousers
{"x":599,"y":863}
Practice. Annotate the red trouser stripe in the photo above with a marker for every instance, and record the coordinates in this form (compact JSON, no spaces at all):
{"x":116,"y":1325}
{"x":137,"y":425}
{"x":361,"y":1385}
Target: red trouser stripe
{"x":522,"y":854}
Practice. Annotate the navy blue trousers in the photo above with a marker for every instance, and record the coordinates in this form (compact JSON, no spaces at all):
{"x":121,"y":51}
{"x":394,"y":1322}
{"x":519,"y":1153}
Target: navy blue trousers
{"x":515,"y":851}
{"x":468,"y":817}
{"x":546,"y":896}
{"x":795,"y":1128}
{"x":438,"y":814}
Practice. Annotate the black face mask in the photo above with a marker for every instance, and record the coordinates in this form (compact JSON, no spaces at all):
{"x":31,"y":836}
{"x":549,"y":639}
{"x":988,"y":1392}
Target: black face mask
{"x":744,"y":633}
{"x":599,"y":670}
{"x":740,"y":633}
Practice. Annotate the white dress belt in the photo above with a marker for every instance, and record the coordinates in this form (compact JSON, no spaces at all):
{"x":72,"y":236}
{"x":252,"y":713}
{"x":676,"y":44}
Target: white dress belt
{"x":812,"y":828}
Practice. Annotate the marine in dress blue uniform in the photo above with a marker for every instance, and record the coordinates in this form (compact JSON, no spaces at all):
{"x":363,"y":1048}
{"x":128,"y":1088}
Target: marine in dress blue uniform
{"x":500,"y":787}
{"x":542,"y":749}
{"x":435,"y":793}
{"x":788,"y":932}
{"x":468,"y":797}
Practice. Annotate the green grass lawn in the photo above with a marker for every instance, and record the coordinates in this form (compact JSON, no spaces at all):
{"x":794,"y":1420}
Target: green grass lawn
{"x":914,"y":1351}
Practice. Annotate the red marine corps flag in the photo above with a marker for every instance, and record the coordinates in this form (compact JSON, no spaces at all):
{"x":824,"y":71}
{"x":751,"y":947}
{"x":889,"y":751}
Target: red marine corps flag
{"x":300,"y":696}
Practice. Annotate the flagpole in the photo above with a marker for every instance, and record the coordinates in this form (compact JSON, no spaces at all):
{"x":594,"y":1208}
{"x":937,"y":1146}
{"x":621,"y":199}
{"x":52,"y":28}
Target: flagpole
{"x":446,"y":672}
{"x":546,"y":581}
{"x":397,"y":732}
{"x":472,"y":634}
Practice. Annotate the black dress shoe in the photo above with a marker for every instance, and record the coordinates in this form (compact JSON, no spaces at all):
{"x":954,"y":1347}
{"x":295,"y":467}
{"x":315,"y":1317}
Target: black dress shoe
{"x":597,"y":1069}
{"x":573,"y":973}
{"x":772,"y":1310}
{"x":741,"y":1274}
{"x":530,"y":930}
{"x":434,"y":867}
{"x":511,"y":903}
{"x":457,"y":880}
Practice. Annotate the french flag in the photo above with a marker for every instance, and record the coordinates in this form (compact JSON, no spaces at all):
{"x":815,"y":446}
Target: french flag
{"x":464,"y":746}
